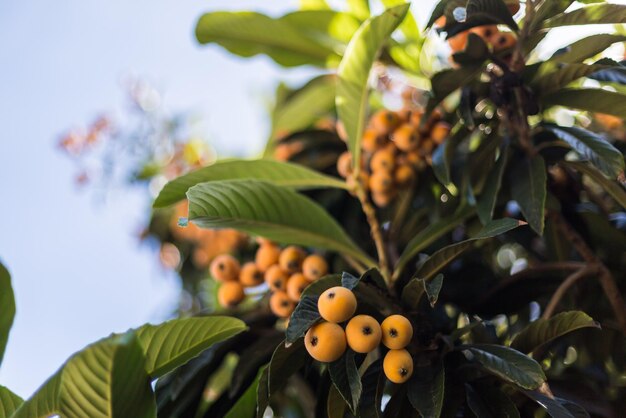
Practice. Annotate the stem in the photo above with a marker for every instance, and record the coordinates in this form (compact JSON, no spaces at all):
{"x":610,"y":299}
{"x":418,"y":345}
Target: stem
{"x":377,"y":235}
{"x":354,"y":263}
{"x":564,"y":287}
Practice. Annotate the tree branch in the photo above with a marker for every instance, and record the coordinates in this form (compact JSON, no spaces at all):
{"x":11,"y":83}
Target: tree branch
{"x":564,"y":287}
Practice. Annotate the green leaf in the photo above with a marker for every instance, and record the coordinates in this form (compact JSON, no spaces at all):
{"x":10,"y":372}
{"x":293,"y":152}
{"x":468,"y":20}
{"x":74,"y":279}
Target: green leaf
{"x":592,"y":100}
{"x":444,"y":154}
{"x":591,"y":146}
{"x":359,"y":8}
{"x":44,"y":402}
{"x":373,"y":389}
{"x":426,"y":389}
{"x":274,"y":212}
{"x":249,"y":33}
{"x":354,"y":70}
{"x":409,"y":26}
{"x":508,"y":364}
{"x":609,"y":186}
{"x":9,"y":402}
{"x":336,"y":406}
{"x":586,"y":47}
{"x":489,"y":195}
{"x":345,"y":376}
{"x":552,"y":76}
{"x":594,"y":14}
{"x":430,"y":234}
{"x":416,"y":288}
{"x":245,"y":407}
{"x":446,"y":255}
{"x":303,"y":317}
{"x":446,"y":82}
{"x":319,"y":286}
{"x":553,"y":406}
{"x":494,"y":11}
{"x":279,"y":173}
{"x":487,"y":401}
{"x":7,"y":308}
{"x":616,"y":74}
{"x":173,"y":343}
{"x":542,"y":331}
{"x":108,"y":380}
{"x":528,"y":188}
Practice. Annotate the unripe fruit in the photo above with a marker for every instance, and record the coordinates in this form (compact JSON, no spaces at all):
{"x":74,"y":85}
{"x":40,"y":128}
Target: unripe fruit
{"x":485,"y":32}
{"x":230,"y":294}
{"x":363,"y":334}
{"x":344,"y":164}
{"x":314,"y":267}
{"x":296,"y":285}
{"x":397,"y":332}
{"x":381,"y":181}
{"x":405,"y":137}
{"x":250,"y":275}
{"x":281,"y":305}
{"x":384,"y":121}
{"x":325,"y":342}
{"x":404,"y":174}
{"x":502,"y":41}
{"x":439,"y":132}
{"x":291,"y":258}
{"x":458,"y":42}
{"x":225,"y":268}
{"x":382,"y":199}
{"x":336,"y":304}
{"x":383,"y":159}
{"x":398,"y":366}
{"x":371,"y":141}
{"x":276,"y":278}
{"x":266,"y":256}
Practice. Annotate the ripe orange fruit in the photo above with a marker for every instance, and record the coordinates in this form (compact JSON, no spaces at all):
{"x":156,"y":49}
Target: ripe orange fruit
{"x":406,"y":137}
{"x":224,"y":268}
{"x":397,"y":332}
{"x":439,"y":132}
{"x":371,"y":140}
{"x":485,"y":32}
{"x":381,"y":181}
{"x":398,"y":366}
{"x":314,"y":267}
{"x":290,"y":259}
{"x":503,"y":40}
{"x":336,"y":304}
{"x":458,"y":42}
{"x":383,"y":199}
{"x":276,"y":278}
{"x":296,"y":285}
{"x":281,"y":305}
{"x":404,"y":174}
{"x":266,"y":256}
{"x":250,"y":275}
{"x":384,"y":121}
{"x":383,"y":159}
{"x":363,"y":333}
{"x":230,"y":294}
{"x":344,"y":164}
{"x":325,"y":342}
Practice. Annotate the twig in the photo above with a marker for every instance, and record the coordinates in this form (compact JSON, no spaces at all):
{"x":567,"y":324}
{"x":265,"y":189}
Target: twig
{"x":354,"y":263}
{"x":564,"y":287}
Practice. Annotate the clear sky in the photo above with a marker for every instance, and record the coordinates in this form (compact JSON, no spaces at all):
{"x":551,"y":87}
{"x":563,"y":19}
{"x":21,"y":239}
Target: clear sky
{"x":78,"y":270}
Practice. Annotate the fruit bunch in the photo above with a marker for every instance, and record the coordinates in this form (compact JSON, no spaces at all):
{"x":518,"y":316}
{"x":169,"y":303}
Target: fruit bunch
{"x":285,"y":272}
{"x":327,"y":341}
{"x":395,"y":146}
{"x":491,"y":34}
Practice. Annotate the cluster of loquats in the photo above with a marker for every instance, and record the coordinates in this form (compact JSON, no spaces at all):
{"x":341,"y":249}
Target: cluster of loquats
{"x":327,"y":341}
{"x":285,"y":271}
{"x":395,"y":146}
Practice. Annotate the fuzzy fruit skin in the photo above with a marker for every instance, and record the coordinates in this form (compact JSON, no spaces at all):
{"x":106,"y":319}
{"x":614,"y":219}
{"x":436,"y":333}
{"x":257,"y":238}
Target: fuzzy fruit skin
{"x":296,"y":285}
{"x":384,"y":121}
{"x":383,"y":159}
{"x":337,"y":304}
{"x":225,"y":268}
{"x":291,"y":258}
{"x":325,"y":342}
{"x":381,"y":181}
{"x":406,"y":137}
{"x":276,"y":278}
{"x":266,"y":256}
{"x":398,"y":366}
{"x":397,"y":332}
{"x":371,"y":141}
{"x":250,"y":275}
{"x":383,"y":199}
{"x":314,"y":267}
{"x":458,"y":42}
{"x":439,"y":132}
{"x":230,"y":294}
{"x":363,"y":334}
{"x":281,"y":305}
{"x":404,"y":175}
{"x":502,"y":41}
{"x":344,"y":164}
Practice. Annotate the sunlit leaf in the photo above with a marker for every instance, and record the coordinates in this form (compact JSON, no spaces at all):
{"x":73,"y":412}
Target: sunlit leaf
{"x":9,"y":402}
{"x":7,"y":308}
{"x":587,"y":47}
{"x":44,"y":402}
{"x":610,"y":186}
{"x":592,"y":100}
{"x":588,"y":15}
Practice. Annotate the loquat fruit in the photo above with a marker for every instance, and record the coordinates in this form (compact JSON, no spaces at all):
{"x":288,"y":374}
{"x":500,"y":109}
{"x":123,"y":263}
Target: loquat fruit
{"x":336,"y":304}
{"x":250,"y":275}
{"x":325,"y":342}
{"x":383,"y":199}
{"x":502,"y":41}
{"x":363,"y":333}
{"x":314,"y":267}
{"x":404,"y":175}
{"x":371,"y":141}
{"x":384,"y":121}
{"x":296,"y":285}
{"x":344,"y":164}
{"x":405,"y":137}
{"x":513,"y":6}
{"x":439,"y":132}
{"x":291,"y":258}
{"x":281,"y":305}
{"x":397,"y":332}
{"x":381,"y":181}
{"x":485,"y":32}
{"x":230,"y":294}
{"x":276,"y":278}
{"x":383,"y":159}
{"x":224,"y":268}
{"x":440,"y":22}
{"x":398,"y":365}
{"x":266,"y":256}
{"x":458,"y":42}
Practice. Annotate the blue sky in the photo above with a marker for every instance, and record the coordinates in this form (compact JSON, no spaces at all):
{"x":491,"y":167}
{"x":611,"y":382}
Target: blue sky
{"x":78,"y":271}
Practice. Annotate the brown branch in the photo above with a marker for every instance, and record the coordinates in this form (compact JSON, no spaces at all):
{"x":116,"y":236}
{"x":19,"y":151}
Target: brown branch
{"x":564,"y":287}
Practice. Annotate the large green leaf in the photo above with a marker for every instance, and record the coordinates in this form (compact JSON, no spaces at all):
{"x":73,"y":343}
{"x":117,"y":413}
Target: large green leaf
{"x":430,"y":234}
{"x":173,"y":343}
{"x":354,"y":71}
{"x":280,"y":173}
{"x":587,"y":47}
{"x":44,"y":402}
{"x":610,"y":186}
{"x":528,"y":188}
{"x":303,"y":317}
{"x":446,"y":82}
{"x":542,"y":331}
{"x":409,"y":26}
{"x":593,"y":14}
{"x":592,"y":100}
{"x":359,"y":8}
{"x":553,"y":406}
{"x":426,"y":388}
{"x":251,"y":33}
{"x":553,"y":76}
{"x":245,"y":407}
{"x":373,"y":389}
{"x":9,"y":402}
{"x":274,"y":212}
{"x":7,"y":308}
{"x":446,"y":255}
{"x":487,"y":401}
{"x":416,"y":288}
{"x":107,"y":380}
{"x":591,"y":146}
{"x":345,"y":376}
{"x":489,"y":196}
{"x":508,"y":364}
